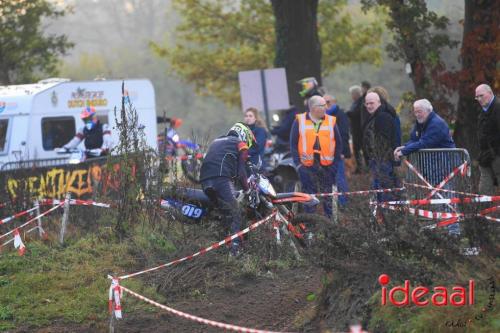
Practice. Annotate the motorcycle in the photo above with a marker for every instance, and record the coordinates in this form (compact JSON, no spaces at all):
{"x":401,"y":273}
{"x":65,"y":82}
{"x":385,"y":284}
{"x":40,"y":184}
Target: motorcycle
{"x":194,"y":205}
{"x":173,"y":148}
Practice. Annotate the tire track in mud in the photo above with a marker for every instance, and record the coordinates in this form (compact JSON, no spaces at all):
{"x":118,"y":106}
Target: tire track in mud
{"x":270,"y":301}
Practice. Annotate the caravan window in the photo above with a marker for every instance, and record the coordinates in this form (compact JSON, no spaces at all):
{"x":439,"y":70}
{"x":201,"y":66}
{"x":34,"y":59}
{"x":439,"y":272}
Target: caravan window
{"x":4,"y":125}
{"x":57,"y":131}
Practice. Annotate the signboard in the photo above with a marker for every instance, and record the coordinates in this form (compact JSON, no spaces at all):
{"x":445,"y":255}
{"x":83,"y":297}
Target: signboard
{"x":266,"y":90}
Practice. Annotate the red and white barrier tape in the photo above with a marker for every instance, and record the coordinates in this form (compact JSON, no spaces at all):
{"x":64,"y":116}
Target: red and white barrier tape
{"x":419,"y":212}
{"x":490,"y":218}
{"x":462,"y":169}
{"x":195,"y":318}
{"x":458,"y":219}
{"x":455,"y":219}
{"x":33,"y":219}
{"x":24,"y":212}
{"x":227,"y":240}
{"x":114,"y":299}
{"x":447,"y":178}
{"x":442,"y":189}
{"x":76,"y":202}
{"x":384,"y":190}
{"x":417,"y":202}
{"x":18,"y":243}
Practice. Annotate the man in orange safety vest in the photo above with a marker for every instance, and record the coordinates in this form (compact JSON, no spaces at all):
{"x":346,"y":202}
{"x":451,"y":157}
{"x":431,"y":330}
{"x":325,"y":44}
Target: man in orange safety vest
{"x":316,"y":146}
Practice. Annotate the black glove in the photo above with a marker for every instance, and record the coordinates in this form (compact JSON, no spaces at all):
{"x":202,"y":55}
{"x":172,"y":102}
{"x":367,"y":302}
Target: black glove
{"x":486,"y":157}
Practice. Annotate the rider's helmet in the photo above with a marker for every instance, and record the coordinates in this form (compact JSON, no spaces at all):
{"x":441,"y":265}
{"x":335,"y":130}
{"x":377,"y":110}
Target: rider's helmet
{"x":309,"y":87}
{"x":88,"y":115}
{"x":243,"y":132}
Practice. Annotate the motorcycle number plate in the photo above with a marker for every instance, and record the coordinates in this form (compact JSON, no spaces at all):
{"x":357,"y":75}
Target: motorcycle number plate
{"x":192,"y":211}
{"x":188,"y":210}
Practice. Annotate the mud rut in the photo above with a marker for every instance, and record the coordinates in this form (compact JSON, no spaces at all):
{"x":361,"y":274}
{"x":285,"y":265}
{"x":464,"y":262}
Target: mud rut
{"x":269,"y":301}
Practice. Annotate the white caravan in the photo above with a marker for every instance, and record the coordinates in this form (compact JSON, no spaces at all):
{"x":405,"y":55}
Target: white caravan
{"x":36,"y":118}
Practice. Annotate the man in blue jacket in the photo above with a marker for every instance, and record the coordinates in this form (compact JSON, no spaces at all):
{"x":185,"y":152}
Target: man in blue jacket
{"x":429,"y":131}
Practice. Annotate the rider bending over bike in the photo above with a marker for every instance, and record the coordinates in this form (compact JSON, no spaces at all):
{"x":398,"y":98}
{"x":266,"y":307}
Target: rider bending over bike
{"x":97,"y":136}
{"x":224,"y":162}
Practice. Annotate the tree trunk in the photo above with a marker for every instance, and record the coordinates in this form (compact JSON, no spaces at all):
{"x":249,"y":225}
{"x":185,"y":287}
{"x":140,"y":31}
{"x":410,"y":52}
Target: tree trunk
{"x":297,"y":44}
{"x":480,"y":49}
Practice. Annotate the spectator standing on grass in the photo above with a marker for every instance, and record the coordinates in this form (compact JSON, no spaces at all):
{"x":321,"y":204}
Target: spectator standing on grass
{"x":343,"y":124}
{"x":489,"y":139}
{"x":316,"y":147}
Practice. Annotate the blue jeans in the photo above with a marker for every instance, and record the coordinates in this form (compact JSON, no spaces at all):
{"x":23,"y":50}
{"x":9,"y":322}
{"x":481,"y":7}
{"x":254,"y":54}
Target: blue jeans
{"x":341,"y":182}
{"x":316,"y":179}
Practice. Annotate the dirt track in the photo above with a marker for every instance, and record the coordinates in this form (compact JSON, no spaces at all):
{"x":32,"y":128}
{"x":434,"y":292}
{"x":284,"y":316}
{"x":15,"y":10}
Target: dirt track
{"x":268,"y":302}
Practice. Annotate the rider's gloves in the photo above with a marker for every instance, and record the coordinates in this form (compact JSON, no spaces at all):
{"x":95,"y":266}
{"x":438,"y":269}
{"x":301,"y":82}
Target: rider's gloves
{"x":240,"y":196}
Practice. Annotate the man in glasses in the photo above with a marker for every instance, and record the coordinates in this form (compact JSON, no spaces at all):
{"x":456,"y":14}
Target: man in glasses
{"x":489,"y":139}
{"x":316,"y":148}
{"x":97,"y":136}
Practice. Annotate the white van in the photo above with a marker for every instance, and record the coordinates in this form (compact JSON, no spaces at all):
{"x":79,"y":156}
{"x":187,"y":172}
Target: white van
{"x":36,"y":118}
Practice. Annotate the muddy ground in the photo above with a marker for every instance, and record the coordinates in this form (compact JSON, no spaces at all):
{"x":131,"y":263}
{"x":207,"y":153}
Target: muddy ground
{"x":252,"y":291}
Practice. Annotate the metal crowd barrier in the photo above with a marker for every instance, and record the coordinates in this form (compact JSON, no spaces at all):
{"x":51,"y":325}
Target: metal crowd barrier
{"x":32,"y":164}
{"x":448,"y":169}
{"x":435,"y":165}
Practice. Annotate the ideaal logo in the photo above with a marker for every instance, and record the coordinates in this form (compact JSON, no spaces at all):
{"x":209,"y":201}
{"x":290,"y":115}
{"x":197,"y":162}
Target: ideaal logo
{"x":419,"y":296}
{"x":479,"y":315}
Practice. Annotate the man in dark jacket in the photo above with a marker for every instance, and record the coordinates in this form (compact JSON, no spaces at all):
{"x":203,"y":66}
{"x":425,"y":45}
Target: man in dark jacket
{"x":282,"y":130}
{"x":380,"y":138}
{"x":225,"y":161}
{"x":489,"y":139}
{"x":343,"y":125}
{"x":354,"y":115}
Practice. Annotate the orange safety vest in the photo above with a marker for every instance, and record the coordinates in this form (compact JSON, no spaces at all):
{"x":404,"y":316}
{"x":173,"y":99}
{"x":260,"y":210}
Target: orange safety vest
{"x":307,"y":138}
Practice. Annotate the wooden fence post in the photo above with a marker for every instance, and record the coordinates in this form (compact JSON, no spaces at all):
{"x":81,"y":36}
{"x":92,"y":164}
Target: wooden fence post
{"x":65,"y":218}
{"x":39,"y":220}
{"x":335,"y":208}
